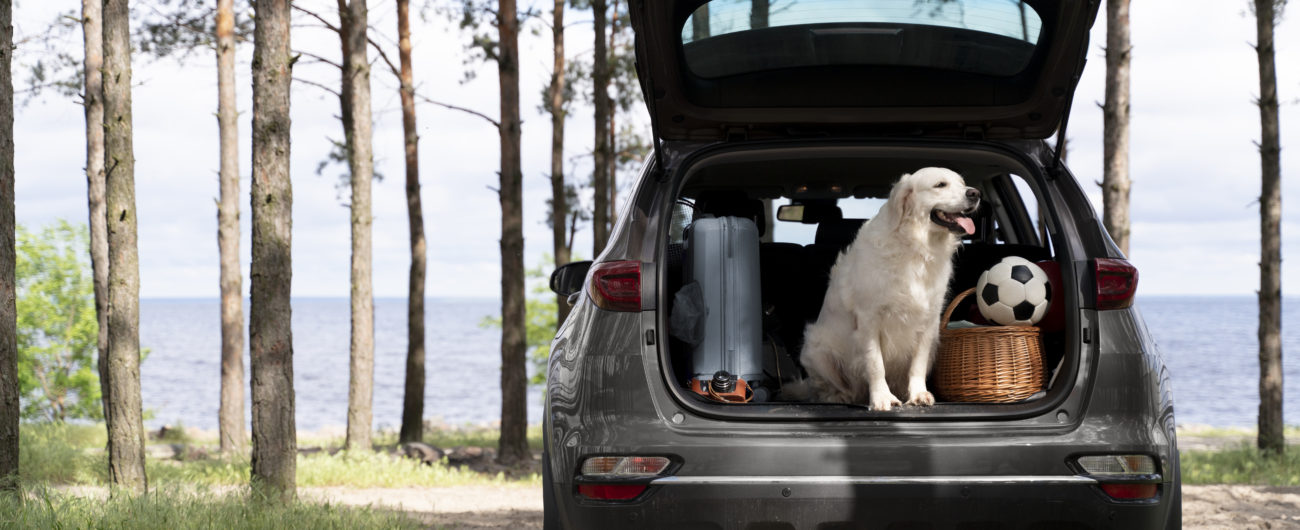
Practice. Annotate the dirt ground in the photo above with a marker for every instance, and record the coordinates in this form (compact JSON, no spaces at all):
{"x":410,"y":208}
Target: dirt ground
{"x":1204,"y":507}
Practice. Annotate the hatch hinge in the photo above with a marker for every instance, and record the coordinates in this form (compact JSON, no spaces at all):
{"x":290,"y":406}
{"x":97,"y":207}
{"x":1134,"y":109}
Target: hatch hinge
{"x":974,"y":132}
{"x":737,"y":134}
{"x":648,"y":90}
{"x":1057,"y":163}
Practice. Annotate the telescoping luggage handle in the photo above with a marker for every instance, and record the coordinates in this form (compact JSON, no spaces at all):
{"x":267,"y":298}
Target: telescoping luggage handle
{"x":723,"y":387}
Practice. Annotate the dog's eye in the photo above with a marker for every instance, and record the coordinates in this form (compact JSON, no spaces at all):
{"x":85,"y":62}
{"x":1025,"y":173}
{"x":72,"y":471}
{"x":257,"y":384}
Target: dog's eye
{"x":941,"y":184}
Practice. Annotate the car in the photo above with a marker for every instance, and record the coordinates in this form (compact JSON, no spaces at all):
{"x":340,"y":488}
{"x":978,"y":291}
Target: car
{"x":796,"y":117}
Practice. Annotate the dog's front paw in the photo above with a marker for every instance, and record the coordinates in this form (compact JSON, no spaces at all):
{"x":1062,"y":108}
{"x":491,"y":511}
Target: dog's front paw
{"x":884,"y":401}
{"x":923,"y":398}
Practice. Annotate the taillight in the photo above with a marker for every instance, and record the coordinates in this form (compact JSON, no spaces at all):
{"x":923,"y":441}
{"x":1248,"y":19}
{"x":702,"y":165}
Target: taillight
{"x":618,"y":478}
{"x":1116,"y":281}
{"x":1123,"y":477}
{"x":624,"y":466}
{"x":616,"y":285}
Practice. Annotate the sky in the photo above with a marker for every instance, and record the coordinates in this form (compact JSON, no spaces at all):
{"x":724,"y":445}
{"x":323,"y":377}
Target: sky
{"x":1194,"y":164}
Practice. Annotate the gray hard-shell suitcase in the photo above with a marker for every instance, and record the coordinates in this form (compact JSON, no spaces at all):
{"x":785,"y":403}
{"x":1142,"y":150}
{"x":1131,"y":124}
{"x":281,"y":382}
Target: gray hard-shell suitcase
{"x":721,"y":254}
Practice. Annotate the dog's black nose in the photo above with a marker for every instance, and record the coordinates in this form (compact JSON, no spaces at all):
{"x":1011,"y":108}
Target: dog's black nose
{"x":972,"y":194}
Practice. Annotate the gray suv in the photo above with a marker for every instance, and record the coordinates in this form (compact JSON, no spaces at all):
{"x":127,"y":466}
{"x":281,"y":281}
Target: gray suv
{"x":797,"y":116}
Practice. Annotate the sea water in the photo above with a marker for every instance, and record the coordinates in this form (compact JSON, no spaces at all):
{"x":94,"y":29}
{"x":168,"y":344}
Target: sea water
{"x":1208,"y":343}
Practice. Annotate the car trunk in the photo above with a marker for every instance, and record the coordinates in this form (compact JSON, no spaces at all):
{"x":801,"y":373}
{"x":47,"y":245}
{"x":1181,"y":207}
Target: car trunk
{"x":836,"y":184}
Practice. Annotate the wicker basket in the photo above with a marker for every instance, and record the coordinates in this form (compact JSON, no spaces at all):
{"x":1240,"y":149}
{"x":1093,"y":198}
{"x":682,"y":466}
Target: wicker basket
{"x":987,"y":364}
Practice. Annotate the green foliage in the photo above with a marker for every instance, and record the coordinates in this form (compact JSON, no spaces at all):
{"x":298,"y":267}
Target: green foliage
{"x":1243,"y":464}
{"x":62,"y":453}
{"x":183,"y":509}
{"x":181,"y":27}
{"x":57,"y":327}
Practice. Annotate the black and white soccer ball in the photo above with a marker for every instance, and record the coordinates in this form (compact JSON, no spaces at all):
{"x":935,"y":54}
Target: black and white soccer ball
{"x":1014,"y":292}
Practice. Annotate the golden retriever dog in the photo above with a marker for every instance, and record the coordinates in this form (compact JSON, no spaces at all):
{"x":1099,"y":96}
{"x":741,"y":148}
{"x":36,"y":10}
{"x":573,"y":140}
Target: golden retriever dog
{"x":878,"y":329}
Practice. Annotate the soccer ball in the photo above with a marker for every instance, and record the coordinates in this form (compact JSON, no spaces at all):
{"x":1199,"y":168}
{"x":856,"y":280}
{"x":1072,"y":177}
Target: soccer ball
{"x":1014,"y":292}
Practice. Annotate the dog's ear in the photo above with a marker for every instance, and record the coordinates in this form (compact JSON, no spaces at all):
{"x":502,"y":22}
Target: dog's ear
{"x":900,"y":197}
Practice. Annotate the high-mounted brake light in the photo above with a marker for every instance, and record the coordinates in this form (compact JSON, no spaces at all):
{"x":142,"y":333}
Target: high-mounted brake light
{"x":1116,"y":281}
{"x":605,"y":478}
{"x":1123,"y":477}
{"x":616,"y":285}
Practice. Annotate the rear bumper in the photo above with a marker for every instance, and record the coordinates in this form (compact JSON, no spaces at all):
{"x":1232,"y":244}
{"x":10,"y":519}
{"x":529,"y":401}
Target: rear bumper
{"x":1011,"y":502}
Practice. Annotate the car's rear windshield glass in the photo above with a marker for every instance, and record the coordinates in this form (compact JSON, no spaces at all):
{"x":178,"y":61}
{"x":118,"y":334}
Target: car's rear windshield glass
{"x":730,"y":37}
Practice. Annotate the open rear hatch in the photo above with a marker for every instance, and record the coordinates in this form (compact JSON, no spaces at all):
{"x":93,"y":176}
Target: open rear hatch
{"x":780,"y":68}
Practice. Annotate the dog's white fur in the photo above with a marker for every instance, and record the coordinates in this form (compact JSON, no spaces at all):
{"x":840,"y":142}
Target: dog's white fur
{"x":878,"y":329}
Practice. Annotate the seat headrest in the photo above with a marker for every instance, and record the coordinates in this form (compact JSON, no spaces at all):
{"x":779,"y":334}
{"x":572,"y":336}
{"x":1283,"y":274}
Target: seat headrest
{"x":838,"y":232}
{"x":731,"y":203}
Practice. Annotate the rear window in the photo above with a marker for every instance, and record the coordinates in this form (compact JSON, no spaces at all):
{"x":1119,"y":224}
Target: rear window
{"x":730,"y":37}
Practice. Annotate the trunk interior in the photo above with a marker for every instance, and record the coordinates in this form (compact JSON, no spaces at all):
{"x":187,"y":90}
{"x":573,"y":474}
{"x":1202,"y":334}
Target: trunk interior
{"x":824,"y":194}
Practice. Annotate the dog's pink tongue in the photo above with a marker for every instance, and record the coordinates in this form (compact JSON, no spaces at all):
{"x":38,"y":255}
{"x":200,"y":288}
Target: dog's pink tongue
{"x":967,"y":224}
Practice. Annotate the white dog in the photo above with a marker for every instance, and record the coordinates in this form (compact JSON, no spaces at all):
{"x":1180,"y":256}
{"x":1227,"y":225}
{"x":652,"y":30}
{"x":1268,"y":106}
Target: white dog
{"x":879,"y":326}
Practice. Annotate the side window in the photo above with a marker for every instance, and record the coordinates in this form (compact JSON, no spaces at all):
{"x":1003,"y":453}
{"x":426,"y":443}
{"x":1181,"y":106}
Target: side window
{"x":1034,"y":208}
{"x":682,"y":213}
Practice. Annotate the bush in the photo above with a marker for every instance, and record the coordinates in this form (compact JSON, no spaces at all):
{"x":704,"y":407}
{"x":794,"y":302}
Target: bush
{"x":56,"y":453}
{"x":1241,"y":465}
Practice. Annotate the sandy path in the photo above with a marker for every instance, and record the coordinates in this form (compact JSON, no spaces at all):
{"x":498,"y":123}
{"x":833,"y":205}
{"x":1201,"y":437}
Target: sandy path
{"x":1204,"y":507}
{"x":455,"y":507}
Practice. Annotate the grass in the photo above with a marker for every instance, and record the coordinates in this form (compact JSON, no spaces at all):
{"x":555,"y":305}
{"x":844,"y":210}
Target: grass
{"x":351,"y":469}
{"x":64,"y":454}
{"x":1243,"y":464}
{"x":185,"y":509}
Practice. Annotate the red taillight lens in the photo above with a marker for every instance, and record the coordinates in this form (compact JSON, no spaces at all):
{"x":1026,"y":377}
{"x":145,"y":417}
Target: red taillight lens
{"x":616,"y":285}
{"x":1130,"y":491}
{"x":1117,"y":282}
{"x":611,"y":492}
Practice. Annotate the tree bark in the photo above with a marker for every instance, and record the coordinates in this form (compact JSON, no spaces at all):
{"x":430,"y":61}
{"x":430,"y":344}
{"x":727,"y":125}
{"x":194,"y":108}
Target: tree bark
{"x":413,"y":402}
{"x":611,"y":150}
{"x":1115,"y":181}
{"x":600,"y":173}
{"x":126,"y":429}
{"x":700,"y":23}
{"x":270,"y":336}
{"x":559,"y":205}
{"x":758,"y":14}
{"x":356,"y":81}
{"x":93,"y":34}
{"x":10,"y":408}
{"x":230,"y":416}
{"x":1271,"y":437}
{"x":513,"y":445}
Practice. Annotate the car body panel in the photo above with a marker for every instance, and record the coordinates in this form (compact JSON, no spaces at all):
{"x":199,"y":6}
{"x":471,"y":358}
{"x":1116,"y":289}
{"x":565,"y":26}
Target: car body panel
{"x":608,"y":393}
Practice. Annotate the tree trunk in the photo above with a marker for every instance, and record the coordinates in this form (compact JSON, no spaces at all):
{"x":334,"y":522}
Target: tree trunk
{"x":270,"y":337}
{"x":126,"y":430}
{"x":559,"y":205}
{"x":356,"y":80}
{"x":600,"y":171}
{"x":1115,"y":182}
{"x":758,"y":14}
{"x":10,"y":408}
{"x":413,"y":403}
{"x":1270,"y":228}
{"x":230,"y":416}
{"x":700,"y":23}
{"x":611,"y":150}
{"x":513,"y":447}
{"x":93,"y":33}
